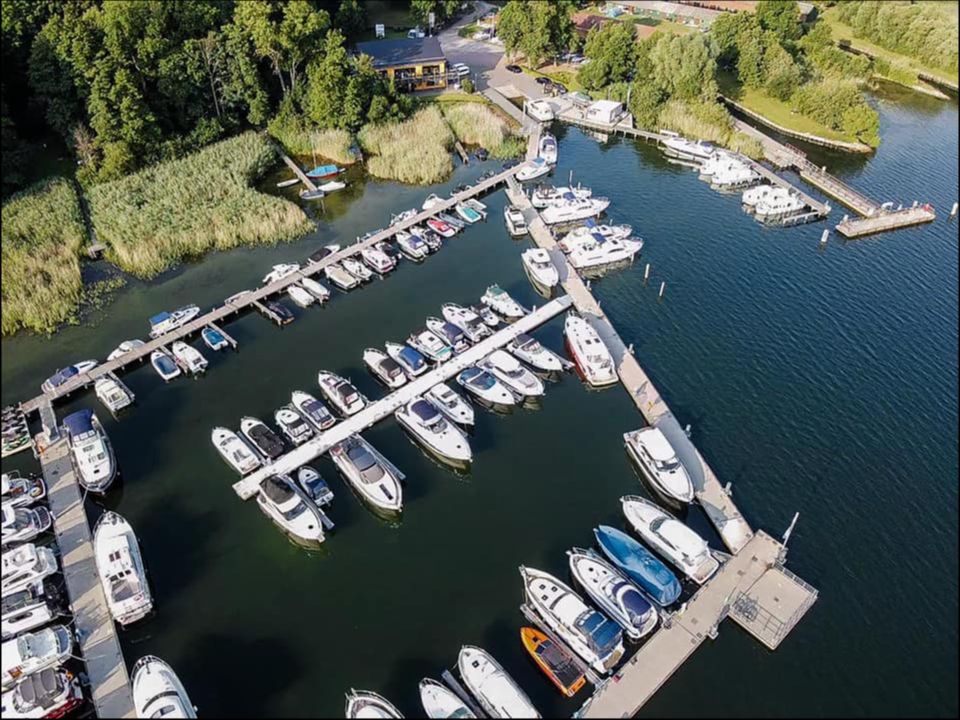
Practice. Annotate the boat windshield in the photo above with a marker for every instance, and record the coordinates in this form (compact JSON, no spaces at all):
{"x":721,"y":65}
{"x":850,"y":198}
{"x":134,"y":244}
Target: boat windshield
{"x":482,"y":380}
{"x":365,"y":463}
{"x":602,"y":635}
{"x":635,"y":605}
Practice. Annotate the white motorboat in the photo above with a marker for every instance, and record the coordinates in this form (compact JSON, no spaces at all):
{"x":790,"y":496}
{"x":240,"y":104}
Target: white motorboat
{"x":467,"y":320}
{"x":189,"y":357}
{"x":449,"y":333}
{"x":341,"y":393}
{"x":165,"y":365}
{"x":120,"y":567}
{"x":454,"y":222}
{"x":619,"y":598}
{"x":293,"y":425}
{"x":431,"y":202}
{"x":412,"y":362}
{"x":547,"y":195}
{"x":300,"y":296}
{"x":340,"y":277}
{"x":412,"y":246}
{"x":589,"y":633}
{"x":366,"y":704}
{"x":733,"y":174}
{"x":533,"y":169}
{"x":498,"y":693}
{"x":433,"y":431}
{"x":320,"y":291}
{"x":166,"y":321}
{"x":261,"y":438}
{"x":589,"y":353}
{"x":33,"y":652}
{"x":511,"y":372}
{"x":430,"y":345}
{"x":24,"y":565}
{"x":688,"y":552}
{"x":778,"y":206}
{"x":373,"y":479}
{"x":442,"y":228}
{"x":234,"y":450}
{"x":449,"y":402}
{"x":125,"y":347}
{"x":23,"y":524}
{"x":540,"y":110}
{"x":751,"y":196}
{"x":586,"y":232}
{"x":314,"y":486}
{"x":356,"y":268}
{"x":91,"y":450}
{"x":236,"y":296}
{"x":719,"y":159}
{"x":112,"y":394}
{"x":18,"y":491}
{"x":50,"y":693}
{"x":528,"y":349}
{"x":598,"y":252}
{"x":439,"y":701}
{"x":158,"y":692}
{"x":485,"y":386}
{"x":516,"y":224}
{"x":385,"y":368}
{"x":540,"y":267}
{"x":676,"y":146}
{"x":476,"y":205}
{"x":658,"y":463}
{"x":323,"y":252}
{"x":548,"y":148}
{"x":470,"y":215}
{"x":404,"y":216}
{"x":489,"y":317}
{"x":278,"y":272}
{"x":60,"y":377}
{"x":498,"y":299}
{"x":25,"y":609}
{"x":377,"y":260}
{"x":288,"y":506}
{"x":573,"y":209}
{"x":331,"y":186}
{"x":313,"y":410}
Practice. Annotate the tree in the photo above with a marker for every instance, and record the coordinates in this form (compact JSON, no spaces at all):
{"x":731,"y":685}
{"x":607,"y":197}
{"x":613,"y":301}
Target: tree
{"x":442,"y":10}
{"x":782,"y":74}
{"x":750,"y":52}
{"x":782,"y":17}
{"x":863,"y":122}
{"x":683,"y":66}
{"x":646,"y":100}
{"x":326,"y":78}
{"x":351,"y":18}
{"x":725,"y":31}
{"x":537,"y":29}
{"x":514,"y":22}
{"x":613,"y":55}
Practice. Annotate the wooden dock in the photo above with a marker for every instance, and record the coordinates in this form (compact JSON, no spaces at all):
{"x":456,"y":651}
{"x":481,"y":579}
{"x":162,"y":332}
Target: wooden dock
{"x":297,"y":170}
{"x":858,"y":227}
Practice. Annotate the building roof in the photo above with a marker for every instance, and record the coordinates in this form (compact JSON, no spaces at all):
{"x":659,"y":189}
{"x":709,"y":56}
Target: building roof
{"x":672,"y":8}
{"x":405,"y":51}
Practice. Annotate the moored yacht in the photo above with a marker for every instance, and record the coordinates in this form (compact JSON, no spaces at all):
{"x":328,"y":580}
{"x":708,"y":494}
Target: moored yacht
{"x":754,"y":195}
{"x":412,"y":362}
{"x":314,"y":486}
{"x":659,"y":464}
{"x":599,"y":251}
{"x":286,"y":504}
{"x":91,"y":450}
{"x":516,"y":223}
{"x":412,"y":246}
{"x":548,"y":148}
{"x":34,"y":652}
{"x":18,"y":491}
{"x":734,"y":174}
{"x":442,"y":228}
{"x":483,"y":385}
{"x":25,"y":565}
{"x":548,"y":194}
{"x":25,"y":609}
{"x":592,"y":358}
{"x":533,"y":169}
{"x":434,"y":432}
{"x":432,"y":201}
{"x":384,"y":368}
{"x":234,"y":451}
{"x":125,"y":347}
{"x":586,"y":232}
{"x":158,"y":692}
{"x":467,"y":320}
{"x":429,"y":345}
{"x":432,"y":239}
{"x":572,"y":209}
{"x":313,"y":410}
{"x":439,"y":701}
{"x":336,"y":274}
{"x":278,"y":272}
{"x":341,"y":393}
{"x":511,"y":372}
{"x":377,"y":260}
{"x":121,"y":570}
{"x":22,"y":524}
{"x":498,"y":299}
{"x":316,"y":288}
{"x":498,"y":693}
{"x":50,"y":693}
{"x":529,"y":349}
{"x":366,"y":704}
{"x":449,"y":333}
{"x":165,"y":365}
{"x":60,"y":377}
{"x":166,"y":321}
{"x":293,"y":425}
{"x":189,"y":357}
{"x":112,"y":394}
{"x":404,"y":216}
{"x":356,"y":268}
{"x":300,"y":296}
{"x":540,"y":267}
{"x":373,"y":479}
{"x":637,"y":563}
{"x":680,"y":147}
{"x":489,"y":317}
{"x":449,"y":402}
{"x":323,"y":252}
{"x":778,"y":206}
{"x":261,"y":438}
{"x":554,"y":660}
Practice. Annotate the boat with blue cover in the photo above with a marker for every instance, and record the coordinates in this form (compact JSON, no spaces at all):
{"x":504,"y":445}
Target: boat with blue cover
{"x":213,"y":338}
{"x":638,"y":564}
{"x":323,"y":171}
{"x":60,"y":377}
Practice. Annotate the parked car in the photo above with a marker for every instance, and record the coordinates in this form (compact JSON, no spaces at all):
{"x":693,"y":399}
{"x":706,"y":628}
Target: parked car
{"x":461,"y":69}
{"x":543,"y":80}
{"x":415,"y":34}
{"x":514,"y":69}
{"x":482,"y":35}
{"x":558,"y":88}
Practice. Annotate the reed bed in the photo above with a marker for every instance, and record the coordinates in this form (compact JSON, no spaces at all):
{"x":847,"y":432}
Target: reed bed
{"x":707,"y":121}
{"x":175,"y":210}
{"x":479,"y":124}
{"x":302,"y":140}
{"x":415,"y":151}
{"x":42,"y":236}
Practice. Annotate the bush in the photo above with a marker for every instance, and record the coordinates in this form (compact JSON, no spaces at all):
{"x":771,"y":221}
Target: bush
{"x":479,"y":124}
{"x":467,"y":86}
{"x":838,"y":104}
{"x":413,"y":151}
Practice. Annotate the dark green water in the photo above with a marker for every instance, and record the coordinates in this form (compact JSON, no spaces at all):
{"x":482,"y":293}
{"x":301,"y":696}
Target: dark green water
{"x":823,"y":382}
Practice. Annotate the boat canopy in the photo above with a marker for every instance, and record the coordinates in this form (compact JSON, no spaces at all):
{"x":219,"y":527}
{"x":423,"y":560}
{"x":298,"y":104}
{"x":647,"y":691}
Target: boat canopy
{"x":321,"y":170}
{"x":603,"y":634}
{"x":160,"y":318}
{"x":424,"y":410}
{"x":569,"y":196}
{"x":412,"y":357}
{"x":278,"y":490}
{"x":633,"y":602}
{"x":79,"y":423}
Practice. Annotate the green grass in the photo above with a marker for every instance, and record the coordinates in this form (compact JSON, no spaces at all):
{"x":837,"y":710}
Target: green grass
{"x":415,"y":151}
{"x":479,"y":124}
{"x":468,"y":31}
{"x":565,"y":77}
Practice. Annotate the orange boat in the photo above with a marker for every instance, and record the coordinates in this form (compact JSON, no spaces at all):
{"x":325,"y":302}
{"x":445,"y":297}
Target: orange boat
{"x":555,"y":662}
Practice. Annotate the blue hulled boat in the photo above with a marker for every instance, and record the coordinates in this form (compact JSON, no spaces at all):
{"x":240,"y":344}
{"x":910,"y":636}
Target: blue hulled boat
{"x":639,"y":564}
{"x":323,"y":171}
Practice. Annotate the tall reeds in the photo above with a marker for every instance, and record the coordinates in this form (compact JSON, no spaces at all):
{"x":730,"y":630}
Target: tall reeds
{"x":479,"y":124}
{"x":415,"y":151}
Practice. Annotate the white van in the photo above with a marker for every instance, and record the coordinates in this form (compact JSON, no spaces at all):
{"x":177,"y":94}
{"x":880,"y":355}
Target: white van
{"x":415,"y":34}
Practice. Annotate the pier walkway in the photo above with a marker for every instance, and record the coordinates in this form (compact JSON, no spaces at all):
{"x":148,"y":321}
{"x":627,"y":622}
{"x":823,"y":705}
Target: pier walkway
{"x":377,"y":410}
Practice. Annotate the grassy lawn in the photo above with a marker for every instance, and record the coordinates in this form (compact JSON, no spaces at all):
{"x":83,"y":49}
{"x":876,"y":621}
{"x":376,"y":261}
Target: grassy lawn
{"x":456,"y":98}
{"x":389,"y":12}
{"x":468,"y":31}
{"x":567,"y":77}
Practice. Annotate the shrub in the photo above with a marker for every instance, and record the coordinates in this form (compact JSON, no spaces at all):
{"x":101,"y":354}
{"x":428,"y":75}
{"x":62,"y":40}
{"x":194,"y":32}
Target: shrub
{"x":467,"y":86}
{"x":413,"y":151}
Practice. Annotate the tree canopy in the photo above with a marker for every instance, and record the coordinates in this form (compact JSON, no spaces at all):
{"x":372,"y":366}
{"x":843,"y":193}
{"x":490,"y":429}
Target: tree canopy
{"x":613,"y":55}
{"x":537,"y":29}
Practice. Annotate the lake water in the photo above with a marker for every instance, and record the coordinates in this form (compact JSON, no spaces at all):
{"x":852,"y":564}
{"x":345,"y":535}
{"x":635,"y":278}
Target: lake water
{"x":822,"y":381}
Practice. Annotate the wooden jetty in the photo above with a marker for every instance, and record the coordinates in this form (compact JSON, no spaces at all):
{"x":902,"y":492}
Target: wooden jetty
{"x":297,"y":170}
{"x":858,"y":227}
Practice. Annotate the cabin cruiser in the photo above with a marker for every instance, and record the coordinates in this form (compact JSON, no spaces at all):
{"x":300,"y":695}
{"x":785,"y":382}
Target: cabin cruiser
{"x":385,"y":368}
{"x":468,"y":213}
{"x":165,"y":365}
{"x":548,"y":148}
{"x":60,"y":377}
{"x":496,"y":298}
{"x":292,"y":424}
{"x":589,"y":352}
{"x":659,"y":464}
{"x":377,"y":260}
{"x":432,"y":201}
{"x":366,"y":704}
{"x":485,"y":386}
{"x":373,"y":479}
{"x":528,"y":349}
{"x":586,"y":232}
{"x":516,"y":224}
{"x":547,"y":195}
{"x":718,"y":160}
{"x":454,"y":222}
{"x":189,"y":357}
{"x":340,"y":277}
{"x":733,"y":174}
{"x":449,"y":402}
{"x":50,"y":693}
{"x":412,"y":362}
{"x":433,"y":241}
{"x":314,"y":486}
{"x":688,"y":552}
{"x":778,"y":206}
{"x":679,"y":147}
{"x":112,"y":394}
{"x":323,"y":252}
{"x":498,"y":693}
{"x":25,"y":565}
{"x":341,"y":393}
{"x":288,"y":506}
{"x":404,"y":216}
{"x":594,"y":637}
{"x":434,"y":432}
{"x":412,"y":246}
{"x":21,"y":524}
{"x":467,"y":320}
{"x":439,"y":701}
{"x":429,"y":345}
{"x":572,"y":209}
{"x":125,"y":347}
{"x":158,"y":692}
{"x":489,"y":317}
{"x":599,"y":251}
{"x":619,"y":598}
{"x":442,"y":228}
{"x":313,"y":410}
{"x":389,"y":249}
{"x":540,"y":110}
{"x":25,"y":609}
{"x":753,"y":195}
{"x":449,"y":333}
{"x":18,"y":491}
{"x":33,"y":652}
{"x":316,"y":288}
{"x":540,"y":267}
{"x":121,"y":570}
{"x":213,"y":338}
{"x":511,"y":372}
{"x":356,"y":268}
{"x":278,"y":272}
{"x":637,"y":563}
{"x":533,"y":169}
{"x":300,"y":296}
{"x":166,"y":321}
{"x":261,"y":438}
{"x":91,"y":449}
{"x":235,"y":452}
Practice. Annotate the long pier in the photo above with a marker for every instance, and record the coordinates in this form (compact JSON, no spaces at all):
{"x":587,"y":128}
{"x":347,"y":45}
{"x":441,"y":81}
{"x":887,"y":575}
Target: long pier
{"x":377,"y":410}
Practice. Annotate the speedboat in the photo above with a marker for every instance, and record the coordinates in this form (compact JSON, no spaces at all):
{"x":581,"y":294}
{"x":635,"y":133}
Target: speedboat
{"x":592,"y":358}
{"x":489,"y":317}
{"x":22,"y":524}
{"x":594,"y":637}
{"x":125,"y":347}
{"x":449,"y":333}
{"x":619,"y":598}
{"x":468,"y":321}
{"x":316,"y":288}
{"x":264,"y":440}
{"x":540,"y":267}
{"x":454,"y":222}
{"x":434,"y":432}
{"x":189,"y":357}
{"x":213,"y":338}
{"x":528,"y":349}
{"x":91,"y":449}
{"x":166,"y":321}
{"x":366,"y":704}
{"x":234,"y":451}
{"x":449,"y":402}
{"x":18,"y":491}
{"x":323,"y":252}
{"x":377,"y":260}
{"x":158,"y":692}
{"x":688,"y":552}
{"x":314,"y":486}
{"x":50,"y":693}
{"x":300,"y":296}
{"x":331,"y":186}
{"x":639,"y":565}
{"x":677,"y":146}
{"x":121,"y":570}
{"x":26,"y":609}
{"x":313,"y":410}
{"x":533,"y":169}
{"x":439,"y":701}
{"x":34,"y":652}
{"x":412,"y":246}
{"x":432,"y":201}
{"x":496,"y":298}
{"x":389,"y":249}
{"x":778,"y":206}
{"x":548,"y":148}
{"x":553,"y":660}
{"x":485,"y":386}
{"x":292,"y":424}
{"x":659,"y":464}
{"x":441,"y":228}
{"x":498,"y":693}
{"x":587,"y":231}
{"x":429,"y":345}
{"x":434,"y":242}
{"x":765,"y":193}
{"x":356,"y":268}
{"x":404,"y":216}
{"x":341,"y":393}
{"x":573,"y":209}
{"x":385,"y":368}
{"x":278,"y":312}
{"x":112,"y":394}
{"x":599,"y":251}
{"x":278,"y":272}
{"x":468,"y":213}
{"x":412,"y":362}
{"x":516,"y":224}
{"x":165,"y":365}
{"x":549,"y":194}
{"x":25,"y":565}
{"x":511,"y":372}
{"x":477,"y":205}
{"x":373,"y":479}
{"x":340,"y":277}
{"x":286,"y":504}
{"x":60,"y":377}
